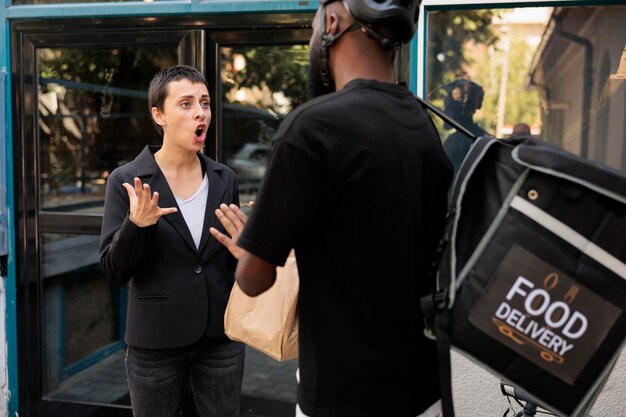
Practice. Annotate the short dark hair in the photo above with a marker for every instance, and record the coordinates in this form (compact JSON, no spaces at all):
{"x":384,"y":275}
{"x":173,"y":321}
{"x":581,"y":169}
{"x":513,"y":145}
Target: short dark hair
{"x":158,"y":86}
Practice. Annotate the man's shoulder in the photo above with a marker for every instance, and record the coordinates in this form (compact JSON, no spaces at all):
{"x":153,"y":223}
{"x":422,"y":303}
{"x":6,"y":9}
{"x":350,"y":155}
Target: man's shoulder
{"x":316,"y":109}
{"x":307,"y":109}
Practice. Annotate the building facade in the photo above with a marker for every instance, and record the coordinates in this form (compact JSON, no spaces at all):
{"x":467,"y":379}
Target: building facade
{"x":73,"y":107}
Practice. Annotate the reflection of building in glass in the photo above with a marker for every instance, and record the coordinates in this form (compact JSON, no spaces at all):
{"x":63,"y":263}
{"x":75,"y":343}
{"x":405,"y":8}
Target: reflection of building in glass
{"x":91,"y":118}
{"x":249,"y":132}
{"x":499,"y":60}
{"x":261,"y":84}
{"x":84,"y":317}
{"x":577,"y":67}
{"x":501,"y":69}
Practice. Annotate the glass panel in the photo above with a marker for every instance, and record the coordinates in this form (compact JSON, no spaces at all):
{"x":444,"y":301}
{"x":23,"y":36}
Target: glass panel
{"x":261,"y":84}
{"x":556,"y":73}
{"x":17,"y":2}
{"x":93,"y":117}
{"x":83,"y":321}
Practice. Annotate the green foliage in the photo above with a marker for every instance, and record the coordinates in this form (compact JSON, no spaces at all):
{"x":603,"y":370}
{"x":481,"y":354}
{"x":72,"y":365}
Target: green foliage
{"x":522,"y":103}
{"x":118,"y":67}
{"x":280,"y":68}
{"x":448,"y":34}
{"x":465,"y":44}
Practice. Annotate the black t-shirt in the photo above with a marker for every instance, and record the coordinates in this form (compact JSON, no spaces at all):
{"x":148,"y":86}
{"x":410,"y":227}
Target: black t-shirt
{"x":357,"y":185}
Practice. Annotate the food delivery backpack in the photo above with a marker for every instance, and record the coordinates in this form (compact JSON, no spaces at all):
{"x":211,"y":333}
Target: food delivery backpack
{"x":531,"y":279}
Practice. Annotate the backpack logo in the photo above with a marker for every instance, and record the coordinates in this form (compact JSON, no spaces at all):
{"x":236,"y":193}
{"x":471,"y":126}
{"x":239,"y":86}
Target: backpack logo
{"x":543,"y":315}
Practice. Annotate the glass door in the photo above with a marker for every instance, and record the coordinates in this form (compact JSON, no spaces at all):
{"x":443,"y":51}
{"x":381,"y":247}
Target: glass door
{"x":260,"y":81}
{"x":90,"y":111}
{"x":80,"y":109}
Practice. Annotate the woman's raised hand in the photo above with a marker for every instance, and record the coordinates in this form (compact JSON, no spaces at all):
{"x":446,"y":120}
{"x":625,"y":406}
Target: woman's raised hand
{"x":233,"y":219}
{"x":144,"y":209}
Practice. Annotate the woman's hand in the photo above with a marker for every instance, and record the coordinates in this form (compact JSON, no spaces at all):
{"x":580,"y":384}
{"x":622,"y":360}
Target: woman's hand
{"x":144,"y":209}
{"x":233,"y":219}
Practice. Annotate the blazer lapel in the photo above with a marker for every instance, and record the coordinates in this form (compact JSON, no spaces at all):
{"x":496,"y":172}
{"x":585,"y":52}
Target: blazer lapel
{"x":167,"y":199}
{"x":158,"y":182}
{"x":217,"y":189}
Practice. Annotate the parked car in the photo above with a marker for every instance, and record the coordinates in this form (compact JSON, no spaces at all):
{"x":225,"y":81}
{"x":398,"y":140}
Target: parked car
{"x":250,"y":163}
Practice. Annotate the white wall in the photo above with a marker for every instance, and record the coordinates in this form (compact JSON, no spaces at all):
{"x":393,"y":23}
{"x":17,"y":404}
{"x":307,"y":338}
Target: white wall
{"x":4,"y":386}
{"x":477,"y":392}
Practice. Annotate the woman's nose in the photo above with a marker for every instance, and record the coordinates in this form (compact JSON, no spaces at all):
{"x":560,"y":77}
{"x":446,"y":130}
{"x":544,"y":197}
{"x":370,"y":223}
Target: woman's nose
{"x":200,"y":113}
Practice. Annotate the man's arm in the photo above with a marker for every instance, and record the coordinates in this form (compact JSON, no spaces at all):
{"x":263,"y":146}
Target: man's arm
{"x":253,"y":274}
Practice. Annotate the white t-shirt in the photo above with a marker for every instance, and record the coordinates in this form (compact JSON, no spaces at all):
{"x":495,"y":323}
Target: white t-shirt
{"x":193,"y":209}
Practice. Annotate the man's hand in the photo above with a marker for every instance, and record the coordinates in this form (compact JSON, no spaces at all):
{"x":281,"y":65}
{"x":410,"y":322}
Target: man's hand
{"x":233,"y":219}
{"x":144,"y":209}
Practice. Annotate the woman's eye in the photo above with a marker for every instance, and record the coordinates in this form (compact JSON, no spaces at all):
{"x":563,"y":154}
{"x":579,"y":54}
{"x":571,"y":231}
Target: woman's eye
{"x":185,"y":105}
{"x":205,"y":104}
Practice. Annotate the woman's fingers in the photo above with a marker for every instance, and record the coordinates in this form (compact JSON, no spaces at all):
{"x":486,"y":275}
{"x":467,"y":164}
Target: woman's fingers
{"x":229,"y":243}
{"x":154,"y":202}
{"x":166,"y":211}
{"x":144,"y":205}
{"x":228,"y":225}
{"x":230,"y":213}
{"x":130,"y":190}
{"x":243,"y":218}
{"x":138,"y":187}
{"x":221,"y":237}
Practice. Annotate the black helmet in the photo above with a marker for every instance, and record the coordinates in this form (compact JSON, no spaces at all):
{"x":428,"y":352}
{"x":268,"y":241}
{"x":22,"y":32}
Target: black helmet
{"x":397,"y":16}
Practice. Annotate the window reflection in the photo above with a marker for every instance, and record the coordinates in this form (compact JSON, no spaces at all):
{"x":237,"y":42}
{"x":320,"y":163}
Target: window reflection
{"x":16,"y":2}
{"x":82,"y":323}
{"x":558,"y":72}
{"x":261,"y":84}
{"x":93,"y":117}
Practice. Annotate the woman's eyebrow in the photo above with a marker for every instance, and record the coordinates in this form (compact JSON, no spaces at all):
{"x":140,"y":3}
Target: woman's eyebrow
{"x":188,"y":96}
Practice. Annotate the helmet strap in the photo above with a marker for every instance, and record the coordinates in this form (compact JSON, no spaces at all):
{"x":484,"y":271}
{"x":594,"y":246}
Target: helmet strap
{"x":386,"y":43}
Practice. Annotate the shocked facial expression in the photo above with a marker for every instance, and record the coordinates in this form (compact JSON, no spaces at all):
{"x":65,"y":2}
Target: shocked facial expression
{"x":186,"y":115}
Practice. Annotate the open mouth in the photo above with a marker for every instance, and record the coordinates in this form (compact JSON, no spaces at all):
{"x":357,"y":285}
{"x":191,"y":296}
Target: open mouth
{"x":200,"y":131}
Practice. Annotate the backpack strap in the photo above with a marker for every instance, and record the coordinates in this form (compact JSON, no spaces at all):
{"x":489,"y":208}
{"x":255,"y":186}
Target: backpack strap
{"x":442,"y":325}
{"x":473,"y":158}
{"x":437,"y":307}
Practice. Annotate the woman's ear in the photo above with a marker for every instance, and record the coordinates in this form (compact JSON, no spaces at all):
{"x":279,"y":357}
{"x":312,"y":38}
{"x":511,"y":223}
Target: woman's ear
{"x":157,"y":115}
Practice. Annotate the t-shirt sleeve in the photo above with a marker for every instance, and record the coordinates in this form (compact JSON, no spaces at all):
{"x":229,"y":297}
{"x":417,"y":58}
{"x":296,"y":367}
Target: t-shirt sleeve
{"x":287,"y":203}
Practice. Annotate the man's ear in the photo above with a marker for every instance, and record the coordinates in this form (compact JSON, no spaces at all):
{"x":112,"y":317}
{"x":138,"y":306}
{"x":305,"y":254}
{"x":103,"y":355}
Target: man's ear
{"x":157,"y":115}
{"x":332,"y":22}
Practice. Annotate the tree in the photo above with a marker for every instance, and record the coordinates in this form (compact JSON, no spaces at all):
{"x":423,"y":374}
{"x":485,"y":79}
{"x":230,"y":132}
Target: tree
{"x":448,"y":35}
{"x":93,"y":110}
{"x":268,"y":70}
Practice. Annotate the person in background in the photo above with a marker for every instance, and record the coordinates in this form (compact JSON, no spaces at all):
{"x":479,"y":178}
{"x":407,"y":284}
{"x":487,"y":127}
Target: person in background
{"x":155,"y":238}
{"x":362,"y":152}
{"x":463,"y":99}
{"x":520,"y":129}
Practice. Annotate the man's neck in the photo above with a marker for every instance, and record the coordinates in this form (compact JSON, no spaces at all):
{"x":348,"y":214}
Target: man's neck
{"x":360,"y":61}
{"x":346,"y":77}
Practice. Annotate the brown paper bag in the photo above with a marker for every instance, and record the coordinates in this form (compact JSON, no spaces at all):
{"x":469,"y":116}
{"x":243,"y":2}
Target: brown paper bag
{"x":268,"y":322}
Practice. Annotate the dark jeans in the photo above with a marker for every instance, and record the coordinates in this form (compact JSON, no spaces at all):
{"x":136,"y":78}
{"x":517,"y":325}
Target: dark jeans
{"x":157,"y":378}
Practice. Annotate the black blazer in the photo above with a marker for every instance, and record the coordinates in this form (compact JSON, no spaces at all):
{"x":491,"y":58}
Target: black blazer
{"x":176,"y":293}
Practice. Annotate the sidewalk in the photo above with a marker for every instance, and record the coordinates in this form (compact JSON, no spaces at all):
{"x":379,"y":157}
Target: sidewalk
{"x":269,"y":387}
